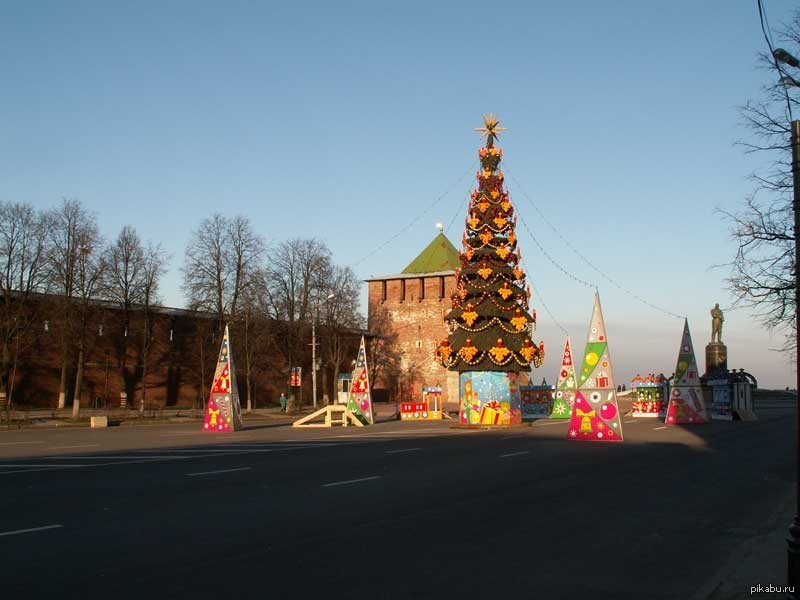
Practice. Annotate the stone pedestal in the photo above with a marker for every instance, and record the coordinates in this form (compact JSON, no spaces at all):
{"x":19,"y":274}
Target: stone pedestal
{"x":716,"y":358}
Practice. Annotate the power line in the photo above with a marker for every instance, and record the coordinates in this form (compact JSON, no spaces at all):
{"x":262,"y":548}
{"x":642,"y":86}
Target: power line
{"x":762,"y":15}
{"x":567,"y":243}
{"x":429,"y":208}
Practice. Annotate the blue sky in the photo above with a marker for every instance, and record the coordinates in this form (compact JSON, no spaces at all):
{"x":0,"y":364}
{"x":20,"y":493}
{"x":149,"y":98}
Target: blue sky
{"x":353,"y":122}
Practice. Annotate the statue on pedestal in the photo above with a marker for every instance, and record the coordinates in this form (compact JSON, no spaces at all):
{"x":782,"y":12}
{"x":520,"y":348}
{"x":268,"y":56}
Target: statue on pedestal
{"x":716,"y":323}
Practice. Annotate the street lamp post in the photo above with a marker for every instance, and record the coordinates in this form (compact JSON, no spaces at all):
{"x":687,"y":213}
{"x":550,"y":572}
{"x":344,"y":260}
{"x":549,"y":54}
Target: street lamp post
{"x":314,"y":352}
{"x":793,"y":541}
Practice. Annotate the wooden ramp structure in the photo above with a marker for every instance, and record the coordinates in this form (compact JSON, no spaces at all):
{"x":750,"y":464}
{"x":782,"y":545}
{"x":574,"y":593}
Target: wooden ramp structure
{"x":336,"y":414}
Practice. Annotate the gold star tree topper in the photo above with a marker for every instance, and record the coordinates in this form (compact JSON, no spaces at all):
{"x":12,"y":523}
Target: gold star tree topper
{"x":491,"y":129}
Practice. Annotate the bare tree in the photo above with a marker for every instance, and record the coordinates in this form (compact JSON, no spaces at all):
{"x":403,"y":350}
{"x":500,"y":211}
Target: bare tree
{"x":23,"y":234}
{"x":90,"y":266}
{"x":154,"y":260}
{"x":254,"y":333}
{"x":298,"y":271}
{"x":340,"y":316}
{"x":382,"y":352}
{"x":72,"y":238}
{"x":762,"y":271}
{"x":123,"y":284}
{"x":221,"y":260}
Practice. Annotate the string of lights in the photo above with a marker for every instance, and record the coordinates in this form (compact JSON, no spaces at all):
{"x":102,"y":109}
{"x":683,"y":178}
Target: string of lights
{"x":416,"y":219}
{"x":550,"y":258}
{"x":542,"y":303}
{"x":589,"y":263}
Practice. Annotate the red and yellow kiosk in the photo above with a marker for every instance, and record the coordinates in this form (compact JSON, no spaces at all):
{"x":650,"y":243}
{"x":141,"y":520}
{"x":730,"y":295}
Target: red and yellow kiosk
{"x":429,"y":409}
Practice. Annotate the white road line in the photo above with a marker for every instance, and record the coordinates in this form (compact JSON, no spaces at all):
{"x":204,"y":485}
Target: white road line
{"x":77,"y":446}
{"x":31,"y":530}
{"x":559,"y":422}
{"x":657,"y":428}
{"x":351,"y":481}
{"x":631,"y":421}
{"x":221,"y":471}
{"x":106,"y":457}
{"x":18,"y":443}
{"x":514,"y":454}
{"x":50,"y":466}
{"x":401,"y":451}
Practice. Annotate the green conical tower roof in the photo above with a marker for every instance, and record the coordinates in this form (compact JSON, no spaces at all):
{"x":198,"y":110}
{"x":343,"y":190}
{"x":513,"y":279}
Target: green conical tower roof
{"x":439,"y":255}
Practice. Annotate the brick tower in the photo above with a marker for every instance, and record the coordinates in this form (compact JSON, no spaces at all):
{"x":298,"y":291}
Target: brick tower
{"x":415,"y":301}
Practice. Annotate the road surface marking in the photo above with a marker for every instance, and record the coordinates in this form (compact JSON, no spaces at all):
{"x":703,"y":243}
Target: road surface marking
{"x":631,"y":421}
{"x":31,"y":530}
{"x":657,"y":428}
{"x":401,"y":451}
{"x":559,"y":422}
{"x":50,"y":466}
{"x":514,"y":454}
{"x":17,"y":443}
{"x":77,"y":446}
{"x":215,"y":472}
{"x":351,"y":481}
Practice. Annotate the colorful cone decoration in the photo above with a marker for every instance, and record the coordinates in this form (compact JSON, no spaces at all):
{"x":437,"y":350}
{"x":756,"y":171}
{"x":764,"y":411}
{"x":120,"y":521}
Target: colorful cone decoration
{"x":686,"y":404}
{"x":360,"y":402}
{"x":595,"y":413}
{"x":223,"y":412}
{"x":566,"y":386}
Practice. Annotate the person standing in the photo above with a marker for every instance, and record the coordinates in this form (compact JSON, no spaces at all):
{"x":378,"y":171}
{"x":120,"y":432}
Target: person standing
{"x":283,"y":402}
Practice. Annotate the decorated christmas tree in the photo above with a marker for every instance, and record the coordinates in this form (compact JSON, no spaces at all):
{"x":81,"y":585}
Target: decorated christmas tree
{"x":223,"y":411}
{"x":360,"y":401}
{"x":490,"y":322}
{"x":595,"y":413}
{"x":566,"y":386}
{"x":686,"y":404}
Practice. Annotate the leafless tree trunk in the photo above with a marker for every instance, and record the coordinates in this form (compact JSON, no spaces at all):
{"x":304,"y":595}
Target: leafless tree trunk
{"x":72,"y":228}
{"x":153,"y":268}
{"x":90,"y":268}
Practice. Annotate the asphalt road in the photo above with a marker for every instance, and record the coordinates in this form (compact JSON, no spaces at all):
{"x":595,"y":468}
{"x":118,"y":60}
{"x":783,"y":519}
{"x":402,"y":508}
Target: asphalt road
{"x":397,"y":510}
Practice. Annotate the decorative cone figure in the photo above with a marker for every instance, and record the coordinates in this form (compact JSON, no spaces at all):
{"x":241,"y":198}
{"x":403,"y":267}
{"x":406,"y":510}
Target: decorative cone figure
{"x":360,"y":402}
{"x":223,"y":412}
{"x":686,"y":404}
{"x":595,"y":413}
{"x":566,"y":386}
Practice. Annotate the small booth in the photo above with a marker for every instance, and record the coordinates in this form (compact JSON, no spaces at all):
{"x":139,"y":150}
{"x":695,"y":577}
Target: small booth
{"x":650,"y":396}
{"x":429,"y":409}
{"x":721,"y":406}
{"x":731,"y":395}
{"x":537,"y":401}
{"x":343,"y":388}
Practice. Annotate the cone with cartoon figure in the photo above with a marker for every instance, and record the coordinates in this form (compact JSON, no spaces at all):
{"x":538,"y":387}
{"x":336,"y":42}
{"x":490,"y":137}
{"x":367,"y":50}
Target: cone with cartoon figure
{"x":360,"y":401}
{"x":566,"y":386}
{"x":686,"y":404}
{"x":595,"y":413}
{"x":223,"y":411}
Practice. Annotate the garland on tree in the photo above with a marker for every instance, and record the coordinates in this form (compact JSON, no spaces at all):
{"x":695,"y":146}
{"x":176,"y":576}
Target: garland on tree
{"x":490,"y":322}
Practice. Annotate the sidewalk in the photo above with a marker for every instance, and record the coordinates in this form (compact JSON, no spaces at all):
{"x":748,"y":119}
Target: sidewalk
{"x":57,"y":418}
{"x":761,"y":560}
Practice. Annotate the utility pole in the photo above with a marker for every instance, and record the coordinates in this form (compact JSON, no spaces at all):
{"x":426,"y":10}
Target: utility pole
{"x":314,"y":360}
{"x":793,"y":570}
